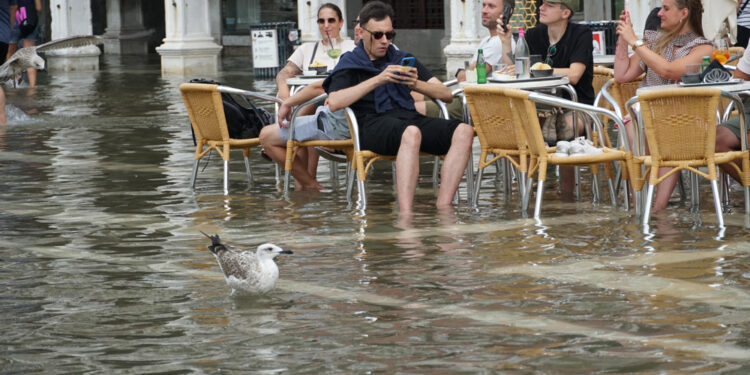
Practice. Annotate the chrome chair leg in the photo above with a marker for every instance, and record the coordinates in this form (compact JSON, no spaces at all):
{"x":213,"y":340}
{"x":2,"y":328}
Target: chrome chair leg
{"x":538,"y":203}
{"x":435,"y":173}
{"x":681,"y":187}
{"x":334,"y":172}
{"x":595,"y":189}
{"x":248,"y":171}
{"x":747,"y":200}
{"x":717,"y":203}
{"x":507,"y":178}
{"x":286,"y":182}
{"x":362,"y":195}
{"x":478,"y":183}
{"x":577,"y":177}
{"x":470,"y":178}
{"x":612,"y":194}
{"x":350,"y":175}
{"x":226,"y":177}
{"x":647,"y":206}
{"x":694,"y":194}
{"x":195,"y":174}
{"x":277,"y":169}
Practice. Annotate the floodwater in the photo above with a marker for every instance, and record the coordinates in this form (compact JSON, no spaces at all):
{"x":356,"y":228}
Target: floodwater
{"x":104,"y":269}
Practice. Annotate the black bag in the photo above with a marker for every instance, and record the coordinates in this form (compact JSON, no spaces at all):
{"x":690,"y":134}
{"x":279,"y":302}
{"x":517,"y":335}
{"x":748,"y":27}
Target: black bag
{"x":244,"y":119}
{"x":27,"y":20}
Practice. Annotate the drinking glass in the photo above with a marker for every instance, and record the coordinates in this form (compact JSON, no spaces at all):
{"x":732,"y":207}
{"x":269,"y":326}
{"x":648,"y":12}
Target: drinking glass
{"x":721,"y":52}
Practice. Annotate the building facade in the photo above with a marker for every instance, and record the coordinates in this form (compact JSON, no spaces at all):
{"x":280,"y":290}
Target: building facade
{"x":191,"y":35}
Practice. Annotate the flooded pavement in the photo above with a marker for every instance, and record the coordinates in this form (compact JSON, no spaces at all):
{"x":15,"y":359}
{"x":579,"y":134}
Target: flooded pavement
{"x":104,"y":268}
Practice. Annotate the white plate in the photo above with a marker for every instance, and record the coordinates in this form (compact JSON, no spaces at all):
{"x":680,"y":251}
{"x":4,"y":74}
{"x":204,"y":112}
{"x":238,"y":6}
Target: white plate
{"x":514,"y":79}
{"x":730,"y":82}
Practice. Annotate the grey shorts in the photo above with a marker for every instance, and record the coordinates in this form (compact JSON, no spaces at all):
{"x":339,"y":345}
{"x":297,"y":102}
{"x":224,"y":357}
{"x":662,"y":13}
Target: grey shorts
{"x":733,"y":124}
{"x":323,"y":125}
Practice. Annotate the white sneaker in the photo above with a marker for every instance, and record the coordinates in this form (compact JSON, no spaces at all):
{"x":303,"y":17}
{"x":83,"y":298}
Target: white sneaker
{"x":562,"y":148}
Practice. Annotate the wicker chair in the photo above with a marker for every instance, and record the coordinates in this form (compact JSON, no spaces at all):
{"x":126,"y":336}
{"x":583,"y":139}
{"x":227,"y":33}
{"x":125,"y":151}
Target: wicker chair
{"x":527,"y":121}
{"x":499,"y":137}
{"x":206,"y":112}
{"x":345,"y":145}
{"x":680,"y":128}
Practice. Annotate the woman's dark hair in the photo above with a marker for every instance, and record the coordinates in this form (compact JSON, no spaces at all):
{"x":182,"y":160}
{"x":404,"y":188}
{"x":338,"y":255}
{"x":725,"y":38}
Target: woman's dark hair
{"x":334,"y":8}
{"x":376,"y":10}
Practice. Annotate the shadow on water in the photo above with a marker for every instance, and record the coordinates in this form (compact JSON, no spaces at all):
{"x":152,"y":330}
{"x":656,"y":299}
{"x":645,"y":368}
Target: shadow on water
{"x":104,"y":269}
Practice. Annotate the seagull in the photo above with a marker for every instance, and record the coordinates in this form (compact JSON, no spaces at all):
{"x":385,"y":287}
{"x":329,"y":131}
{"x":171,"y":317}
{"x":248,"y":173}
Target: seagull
{"x":244,"y":271}
{"x":27,"y":57}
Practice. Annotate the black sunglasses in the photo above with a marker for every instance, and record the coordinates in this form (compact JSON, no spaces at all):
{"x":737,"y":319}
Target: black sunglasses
{"x":551,"y":51}
{"x":323,"y":20}
{"x":379,"y":34}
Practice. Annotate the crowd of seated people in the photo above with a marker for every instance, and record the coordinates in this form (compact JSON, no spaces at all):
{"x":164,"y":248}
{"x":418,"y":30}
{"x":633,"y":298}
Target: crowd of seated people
{"x":370,"y":80}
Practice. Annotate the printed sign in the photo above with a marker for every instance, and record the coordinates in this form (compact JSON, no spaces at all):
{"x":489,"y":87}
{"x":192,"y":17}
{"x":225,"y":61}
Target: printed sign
{"x":265,"y":49}
{"x":599,"y":43}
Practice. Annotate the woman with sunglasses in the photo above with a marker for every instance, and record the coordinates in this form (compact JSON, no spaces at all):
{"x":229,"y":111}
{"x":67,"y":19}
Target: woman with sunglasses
{"x":325,"y":52}
{"x":663,"y":55}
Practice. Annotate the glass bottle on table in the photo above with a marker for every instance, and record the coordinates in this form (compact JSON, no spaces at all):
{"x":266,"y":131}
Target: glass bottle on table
{"x":705,"y":63}
{"x":481,"y":67}
{"x":522,"y":56}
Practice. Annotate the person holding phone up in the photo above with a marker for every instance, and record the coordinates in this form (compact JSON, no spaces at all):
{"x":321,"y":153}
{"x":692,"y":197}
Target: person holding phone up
{"x":372,"y":81}
{"x":494,"y":13}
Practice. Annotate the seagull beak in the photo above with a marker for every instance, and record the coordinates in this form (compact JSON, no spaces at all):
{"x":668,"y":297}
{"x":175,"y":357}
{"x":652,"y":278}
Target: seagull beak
{"x":286,"y":252}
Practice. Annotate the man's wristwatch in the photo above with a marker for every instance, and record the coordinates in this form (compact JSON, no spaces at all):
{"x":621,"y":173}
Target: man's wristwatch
{"x":637,"y":44}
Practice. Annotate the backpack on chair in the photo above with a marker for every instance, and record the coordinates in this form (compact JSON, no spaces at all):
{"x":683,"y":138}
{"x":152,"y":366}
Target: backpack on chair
{"x":244,"y":119}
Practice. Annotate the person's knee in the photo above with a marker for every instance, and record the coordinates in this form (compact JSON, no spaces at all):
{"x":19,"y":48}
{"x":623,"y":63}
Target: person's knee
{"x":269,"y":135}
{"x":726,"y":140}
{"x":412,"y":136}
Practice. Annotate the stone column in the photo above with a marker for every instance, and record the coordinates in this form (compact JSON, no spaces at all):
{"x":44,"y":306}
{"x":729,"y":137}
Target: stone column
{"x":125,"y":34}
{"x":307,"y":18}
{"x":70,"y":18}
{"x":466,"y":31}
{"x":188,"y":48}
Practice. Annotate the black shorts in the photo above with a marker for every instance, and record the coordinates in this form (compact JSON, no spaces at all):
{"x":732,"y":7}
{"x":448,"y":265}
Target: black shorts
{"x":3,"y":52}
{"x":381,"y":133}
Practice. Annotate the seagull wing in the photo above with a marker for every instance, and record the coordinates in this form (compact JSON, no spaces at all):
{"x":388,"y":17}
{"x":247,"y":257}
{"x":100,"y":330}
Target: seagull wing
{"x":69,"y":42}
{"x":11,"y":67}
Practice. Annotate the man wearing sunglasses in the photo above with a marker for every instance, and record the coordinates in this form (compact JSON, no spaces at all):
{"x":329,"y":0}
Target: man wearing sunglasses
{"x":373,"y":83}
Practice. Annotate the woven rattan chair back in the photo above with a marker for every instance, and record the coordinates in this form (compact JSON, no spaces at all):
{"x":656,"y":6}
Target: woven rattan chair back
{"x":492,"y":113}
{"x":623,"y":91}
{"x":680,"y":123}
{"x":206,"y":111}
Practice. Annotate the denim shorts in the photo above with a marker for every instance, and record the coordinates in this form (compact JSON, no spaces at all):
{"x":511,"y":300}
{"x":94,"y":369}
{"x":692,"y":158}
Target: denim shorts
{"x":15,"y":34}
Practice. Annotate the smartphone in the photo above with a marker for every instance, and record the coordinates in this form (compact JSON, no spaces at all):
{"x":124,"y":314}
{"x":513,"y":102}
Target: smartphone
{"x":408,"y":61}
{"x":507,"y":13}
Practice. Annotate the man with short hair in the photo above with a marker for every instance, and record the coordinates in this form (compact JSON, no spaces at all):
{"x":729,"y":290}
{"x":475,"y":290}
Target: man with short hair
{"x":492,"y":47}
{"x":566,"y":46}
{"x":371,"y":81}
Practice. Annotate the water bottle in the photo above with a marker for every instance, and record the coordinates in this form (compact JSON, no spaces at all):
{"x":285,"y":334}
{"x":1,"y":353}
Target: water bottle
{"x":705,"y":63}
{"x":523,"y":57}
{"x":481,"y":67}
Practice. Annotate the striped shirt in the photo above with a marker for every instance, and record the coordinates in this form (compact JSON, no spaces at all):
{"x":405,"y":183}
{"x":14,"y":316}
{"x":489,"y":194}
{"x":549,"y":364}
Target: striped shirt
{"x":743,"y":19}
{"x":679,"y":47}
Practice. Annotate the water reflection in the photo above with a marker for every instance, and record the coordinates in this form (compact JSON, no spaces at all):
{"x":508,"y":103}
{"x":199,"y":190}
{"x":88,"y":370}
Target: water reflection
{"x":104,"y":268}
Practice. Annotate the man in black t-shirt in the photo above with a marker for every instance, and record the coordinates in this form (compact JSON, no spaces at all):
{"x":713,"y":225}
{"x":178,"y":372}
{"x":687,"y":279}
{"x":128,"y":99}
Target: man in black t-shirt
{"x":567,"y":47}
{"x":371,"y":81}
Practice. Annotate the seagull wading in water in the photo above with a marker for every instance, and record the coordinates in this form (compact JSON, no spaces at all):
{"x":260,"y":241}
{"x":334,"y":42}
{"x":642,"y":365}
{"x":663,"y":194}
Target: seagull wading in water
{"x":27,"y":57}
{"x":247,"y":272}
